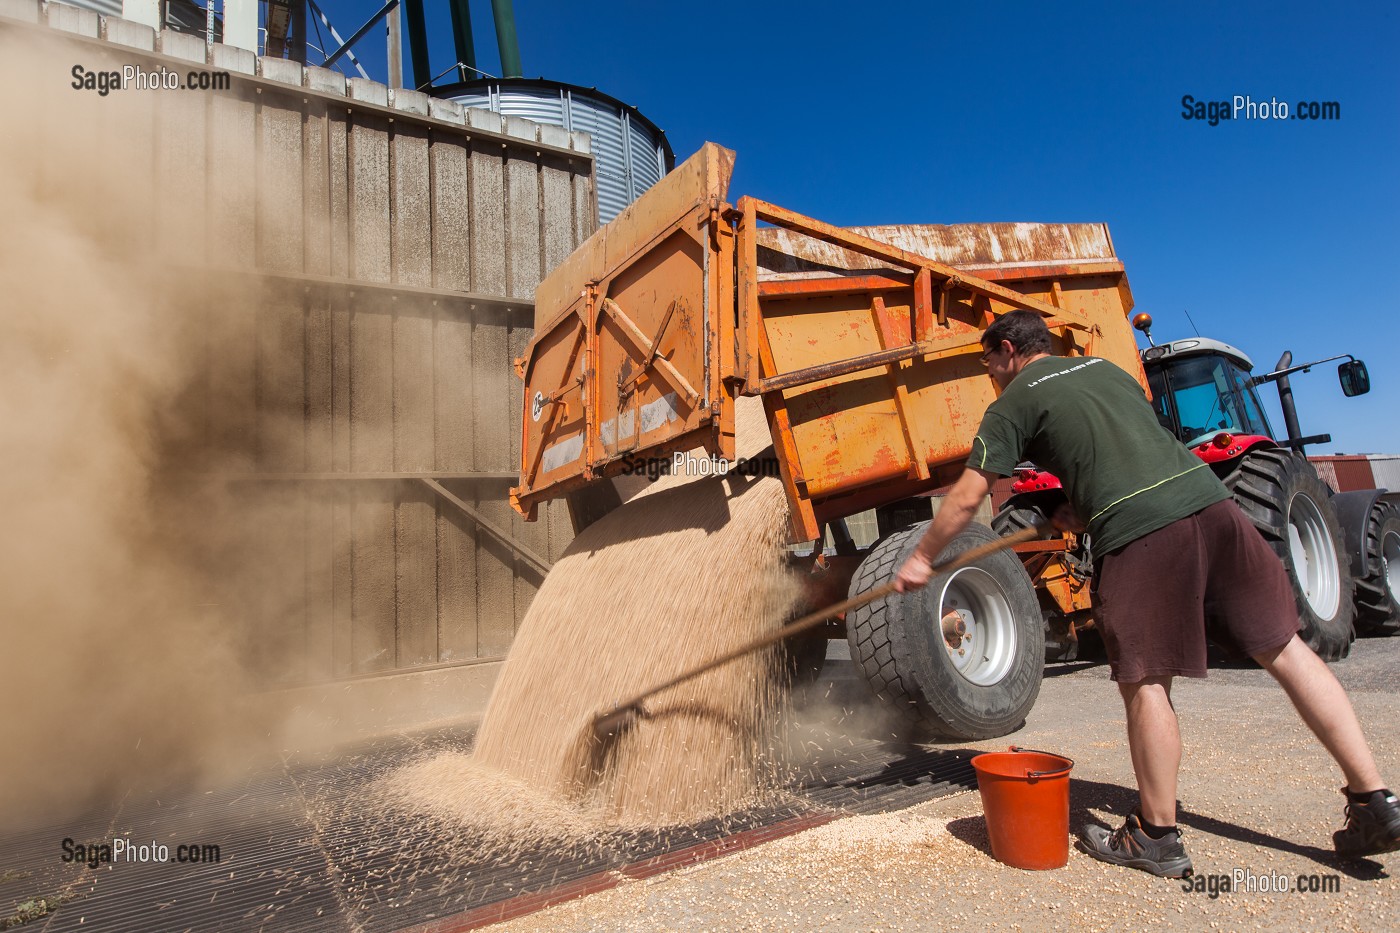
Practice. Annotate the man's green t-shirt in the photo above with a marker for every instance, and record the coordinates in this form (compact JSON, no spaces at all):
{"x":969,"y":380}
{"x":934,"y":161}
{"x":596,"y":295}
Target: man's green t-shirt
{"x":1089,"y":423}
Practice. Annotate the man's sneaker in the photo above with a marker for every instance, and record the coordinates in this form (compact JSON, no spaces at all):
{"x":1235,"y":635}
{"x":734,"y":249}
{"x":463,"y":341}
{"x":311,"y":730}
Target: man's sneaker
{"x":1372,"y":827}
{"x":1129,"y":845}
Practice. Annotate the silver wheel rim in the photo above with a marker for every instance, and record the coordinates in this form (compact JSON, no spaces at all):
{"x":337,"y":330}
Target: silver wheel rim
{"x":988,"y":649}
{"x":1390,"y":564}
{"x":1314,"y":557}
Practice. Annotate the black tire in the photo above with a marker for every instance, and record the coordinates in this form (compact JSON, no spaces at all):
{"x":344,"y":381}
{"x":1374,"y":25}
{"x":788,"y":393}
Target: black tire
{"x":1284,"y":498}
{"x":897,"y":644}
{"x":1015,"y":514}
{"x":1378,"y":594}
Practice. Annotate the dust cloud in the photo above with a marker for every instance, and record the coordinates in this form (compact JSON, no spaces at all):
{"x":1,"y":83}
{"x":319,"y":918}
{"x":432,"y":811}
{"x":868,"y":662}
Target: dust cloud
{"x":123,"y":666}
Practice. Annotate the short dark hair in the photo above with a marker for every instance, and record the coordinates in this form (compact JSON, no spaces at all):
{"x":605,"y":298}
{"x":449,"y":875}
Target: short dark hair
{"x":1025,"y":329}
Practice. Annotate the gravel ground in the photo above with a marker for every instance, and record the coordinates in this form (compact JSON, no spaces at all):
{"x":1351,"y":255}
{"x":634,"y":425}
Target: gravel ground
{"x":1259,"y":795}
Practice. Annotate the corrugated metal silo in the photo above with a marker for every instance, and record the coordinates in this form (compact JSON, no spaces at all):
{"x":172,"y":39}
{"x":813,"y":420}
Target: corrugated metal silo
{"x":631,"y":153}
{"x":104,"y":7}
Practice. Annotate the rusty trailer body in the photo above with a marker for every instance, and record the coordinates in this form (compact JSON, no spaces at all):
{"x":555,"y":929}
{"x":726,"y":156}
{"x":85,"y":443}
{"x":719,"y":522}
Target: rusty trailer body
{"x":863,"y":343}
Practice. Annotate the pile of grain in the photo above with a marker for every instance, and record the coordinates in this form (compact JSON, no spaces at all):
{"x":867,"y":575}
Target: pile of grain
{"x":503,"y":812}
{"x":685,"y":571}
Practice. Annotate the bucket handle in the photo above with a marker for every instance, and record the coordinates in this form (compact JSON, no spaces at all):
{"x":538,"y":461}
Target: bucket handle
{"x":1042,"y":774}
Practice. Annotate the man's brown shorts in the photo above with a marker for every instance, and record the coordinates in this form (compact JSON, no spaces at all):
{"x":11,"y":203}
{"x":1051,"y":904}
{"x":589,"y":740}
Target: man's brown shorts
{"x":1158,"y":598}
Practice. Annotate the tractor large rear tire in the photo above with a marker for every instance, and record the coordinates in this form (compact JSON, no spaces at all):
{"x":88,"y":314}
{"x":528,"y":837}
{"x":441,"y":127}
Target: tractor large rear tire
{"x":1284,"y":498}
{"x":981,"y":691}
{"x":1378,"y":594}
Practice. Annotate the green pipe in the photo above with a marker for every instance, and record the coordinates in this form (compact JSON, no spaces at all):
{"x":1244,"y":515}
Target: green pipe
{"x":462,"y":39}
{"x":418,"y":44}
{"x":504,"y":11}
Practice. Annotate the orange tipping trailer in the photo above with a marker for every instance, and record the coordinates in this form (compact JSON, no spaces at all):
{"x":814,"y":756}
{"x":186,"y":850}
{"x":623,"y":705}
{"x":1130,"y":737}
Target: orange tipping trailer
{"x":864,"y":346}
{"x":864,"y":349}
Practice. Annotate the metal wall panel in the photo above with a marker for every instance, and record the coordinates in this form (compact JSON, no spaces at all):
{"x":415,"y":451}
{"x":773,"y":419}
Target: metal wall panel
{"x":1353,"y":474}
{"x":1385,"y":469}
{"x":376,"y":272}
{"x":1345,"y":473}
{"x":397,"y":575}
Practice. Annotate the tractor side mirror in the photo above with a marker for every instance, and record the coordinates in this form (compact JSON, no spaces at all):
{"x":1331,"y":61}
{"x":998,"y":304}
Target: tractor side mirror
{"x":1354,"y":378}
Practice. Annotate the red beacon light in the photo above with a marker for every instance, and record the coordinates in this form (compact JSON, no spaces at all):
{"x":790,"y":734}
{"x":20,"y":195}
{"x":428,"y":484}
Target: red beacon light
{"x":1223,"y":440}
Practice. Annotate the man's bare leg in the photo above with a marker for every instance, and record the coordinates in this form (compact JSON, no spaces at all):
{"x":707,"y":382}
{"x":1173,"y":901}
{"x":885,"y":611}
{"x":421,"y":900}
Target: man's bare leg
{"x":1154,"y":740}
{"x":1155,"y":744}
{"x":1324,"y":706}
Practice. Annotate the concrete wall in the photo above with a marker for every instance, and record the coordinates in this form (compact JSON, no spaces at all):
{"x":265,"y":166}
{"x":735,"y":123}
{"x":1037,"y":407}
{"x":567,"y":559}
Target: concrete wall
{"x":382,"y":250}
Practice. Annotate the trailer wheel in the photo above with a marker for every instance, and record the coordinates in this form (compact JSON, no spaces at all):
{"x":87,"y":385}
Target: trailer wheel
{"x":981,"y":689}
{"x":1378,"y":595}
{"x":1018,"y":513}
{"x":1284,"y":498}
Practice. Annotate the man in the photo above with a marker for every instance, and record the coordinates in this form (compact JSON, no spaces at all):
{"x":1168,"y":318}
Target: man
{"x":1169,"y":542}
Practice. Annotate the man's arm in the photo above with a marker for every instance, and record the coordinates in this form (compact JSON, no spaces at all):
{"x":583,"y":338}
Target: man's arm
{"x":959,"y":505}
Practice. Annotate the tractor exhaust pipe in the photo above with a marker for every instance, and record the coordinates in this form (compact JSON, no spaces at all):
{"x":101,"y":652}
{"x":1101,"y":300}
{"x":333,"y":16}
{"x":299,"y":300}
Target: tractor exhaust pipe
{"x":1285,"y":401}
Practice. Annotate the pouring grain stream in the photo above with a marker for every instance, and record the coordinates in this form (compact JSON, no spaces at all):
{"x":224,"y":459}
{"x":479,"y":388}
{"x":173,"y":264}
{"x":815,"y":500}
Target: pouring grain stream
{"x":687,"y":569}
{"x":674,"y":577}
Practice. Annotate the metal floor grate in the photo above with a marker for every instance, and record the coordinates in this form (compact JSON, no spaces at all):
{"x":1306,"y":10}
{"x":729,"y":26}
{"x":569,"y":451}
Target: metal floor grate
{"x":297,"y":857}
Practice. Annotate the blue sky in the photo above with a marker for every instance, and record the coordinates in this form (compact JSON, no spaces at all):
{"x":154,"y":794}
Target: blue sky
{"x":1273,"y":234}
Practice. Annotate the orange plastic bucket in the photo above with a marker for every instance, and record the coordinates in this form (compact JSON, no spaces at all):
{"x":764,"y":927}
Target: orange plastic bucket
{"x":1025,"y":797}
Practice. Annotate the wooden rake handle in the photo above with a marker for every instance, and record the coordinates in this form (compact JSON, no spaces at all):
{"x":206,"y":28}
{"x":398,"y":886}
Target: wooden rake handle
{"x":970,"y":556}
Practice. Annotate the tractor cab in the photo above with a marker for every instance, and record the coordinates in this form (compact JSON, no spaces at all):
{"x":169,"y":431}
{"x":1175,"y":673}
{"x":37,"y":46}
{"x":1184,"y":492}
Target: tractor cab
{"x":1201,"y":389}
{"x":1204,"y":393}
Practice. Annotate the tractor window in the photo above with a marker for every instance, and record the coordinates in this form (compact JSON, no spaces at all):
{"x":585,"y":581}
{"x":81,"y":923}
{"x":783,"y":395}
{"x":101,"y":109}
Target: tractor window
{"x":1254,"y":420}
{"x":1157,"y":383}
{"x":1203,"y":388}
